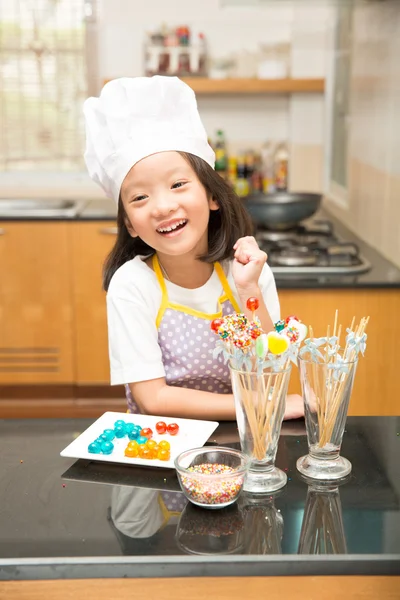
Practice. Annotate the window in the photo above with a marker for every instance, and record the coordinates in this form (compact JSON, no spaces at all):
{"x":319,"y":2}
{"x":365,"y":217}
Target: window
{"x":339,"y":106}
{"x":43,"y":83}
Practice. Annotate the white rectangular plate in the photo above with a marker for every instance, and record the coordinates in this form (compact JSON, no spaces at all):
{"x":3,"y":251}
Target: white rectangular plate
{"x":192,"y":434}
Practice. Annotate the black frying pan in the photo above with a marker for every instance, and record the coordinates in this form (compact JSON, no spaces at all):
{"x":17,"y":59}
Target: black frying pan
{"x":281,"y":210}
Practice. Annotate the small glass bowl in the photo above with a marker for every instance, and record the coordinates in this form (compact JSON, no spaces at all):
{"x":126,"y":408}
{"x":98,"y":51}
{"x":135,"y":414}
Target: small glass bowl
{"x":212,"y":477}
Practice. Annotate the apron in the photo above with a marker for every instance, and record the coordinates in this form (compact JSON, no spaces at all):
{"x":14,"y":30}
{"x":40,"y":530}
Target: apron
{"x":187,"y":342}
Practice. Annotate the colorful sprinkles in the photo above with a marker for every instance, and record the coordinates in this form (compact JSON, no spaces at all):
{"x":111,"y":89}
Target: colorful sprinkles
{"x":209,"y":492}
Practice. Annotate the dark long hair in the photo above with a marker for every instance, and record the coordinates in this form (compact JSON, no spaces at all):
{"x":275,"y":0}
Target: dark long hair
{"x":225,"y":225}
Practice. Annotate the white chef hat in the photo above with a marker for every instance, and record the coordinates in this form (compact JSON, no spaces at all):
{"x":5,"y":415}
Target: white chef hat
{"x":136,"y":117}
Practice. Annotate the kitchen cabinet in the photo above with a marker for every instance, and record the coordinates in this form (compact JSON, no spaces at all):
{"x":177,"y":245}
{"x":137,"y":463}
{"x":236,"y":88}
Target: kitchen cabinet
{"x":377,"y":386}
{"x":35,"y":303}
{"x":91,"y":243}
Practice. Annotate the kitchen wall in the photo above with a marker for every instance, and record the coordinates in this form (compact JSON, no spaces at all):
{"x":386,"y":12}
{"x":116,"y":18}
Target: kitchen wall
{"x":373,"y":205}
{"x":247,"y":120}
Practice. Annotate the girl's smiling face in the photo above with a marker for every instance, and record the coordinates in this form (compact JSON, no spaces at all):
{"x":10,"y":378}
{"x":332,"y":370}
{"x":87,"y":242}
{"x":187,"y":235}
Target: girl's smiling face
{"x":166,"y":205}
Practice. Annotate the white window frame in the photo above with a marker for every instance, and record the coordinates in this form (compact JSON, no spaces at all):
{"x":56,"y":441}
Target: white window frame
{"x":335,"y":192}
{"x":38,"y":182}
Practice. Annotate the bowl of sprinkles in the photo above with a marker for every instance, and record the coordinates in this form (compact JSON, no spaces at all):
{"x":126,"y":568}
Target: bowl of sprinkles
{"x":212,"y":477}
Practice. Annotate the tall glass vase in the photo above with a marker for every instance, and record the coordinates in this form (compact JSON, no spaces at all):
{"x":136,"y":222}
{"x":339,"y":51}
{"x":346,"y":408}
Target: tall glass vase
{"x":260,"y":400}
{"x":326,"y":393}
{"x":322,"y":530}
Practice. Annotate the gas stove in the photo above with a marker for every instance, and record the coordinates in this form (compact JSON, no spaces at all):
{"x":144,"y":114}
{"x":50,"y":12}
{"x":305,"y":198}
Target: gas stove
{"x":309,"y":249}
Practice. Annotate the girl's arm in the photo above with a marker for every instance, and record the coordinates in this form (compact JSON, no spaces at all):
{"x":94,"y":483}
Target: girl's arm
{"x":248,"y":263}
{"x":155,"y":397}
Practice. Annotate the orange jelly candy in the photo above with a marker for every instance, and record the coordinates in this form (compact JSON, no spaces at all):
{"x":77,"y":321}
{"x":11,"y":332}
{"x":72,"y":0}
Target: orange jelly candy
{"x":154,"y":451}
{"x":131,"y":452}
{"x":164,"y":445}
{"x":147,"y":453}
{"x":151,"y":444}
{"x":163,"y":454}
{"x":146,"y":432}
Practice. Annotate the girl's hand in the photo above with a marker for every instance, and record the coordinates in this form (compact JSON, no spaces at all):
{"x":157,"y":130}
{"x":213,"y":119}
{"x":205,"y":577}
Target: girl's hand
{"x":294,"y":407}
{"x":248,"y":263}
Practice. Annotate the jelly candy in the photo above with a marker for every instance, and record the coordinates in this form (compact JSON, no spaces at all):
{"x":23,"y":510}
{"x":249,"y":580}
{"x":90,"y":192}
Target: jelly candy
{"x":151,"y":444}
{"x":107,"y":447}
{"x":129,"y":427}
{"x":164,"y":445}
{"x":173,"y":428}
{"x":132,"y":451}
{"x":110,"y":435}
{"x":119,"y":423}
{"x":133,"y":435}
{"x":141,"y":440}
{"x":147,"y":432}
{"x":163,"y":454}
{"x":119,"y":431}
{"x":161,"y":427}
{"x":94,"y":448}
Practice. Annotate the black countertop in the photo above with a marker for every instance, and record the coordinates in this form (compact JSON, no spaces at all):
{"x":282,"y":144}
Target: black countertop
{"x":61,"y":518}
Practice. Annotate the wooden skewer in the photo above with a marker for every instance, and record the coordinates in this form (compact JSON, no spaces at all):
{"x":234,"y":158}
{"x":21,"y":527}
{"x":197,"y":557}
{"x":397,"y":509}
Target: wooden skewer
{"x":339,"y":388}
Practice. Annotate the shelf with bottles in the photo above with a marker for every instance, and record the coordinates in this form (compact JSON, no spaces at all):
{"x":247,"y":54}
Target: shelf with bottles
{"x":175,"y":51}
{"x":264,"y":170}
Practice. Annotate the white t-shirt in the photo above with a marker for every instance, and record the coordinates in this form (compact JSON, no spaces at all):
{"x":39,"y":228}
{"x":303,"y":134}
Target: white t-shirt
{"x":133,"y":301}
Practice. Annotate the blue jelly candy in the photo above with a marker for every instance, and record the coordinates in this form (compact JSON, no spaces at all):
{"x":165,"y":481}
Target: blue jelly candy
{"x":119,"y":423}
{"x":94,"y":448}
{"x":133,"y":435}
{"x":119,"y":431}
{"x":103,"y":437}
{"x":110,"y":435}
{"x":129,"y":427}
{"x":99,"y":440}
{"x":107,"y":447}
{"x":141,"y":439}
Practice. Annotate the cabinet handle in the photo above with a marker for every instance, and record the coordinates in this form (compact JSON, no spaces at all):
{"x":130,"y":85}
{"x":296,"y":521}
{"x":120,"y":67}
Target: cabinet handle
{"x":2,"y":231}
{"x":109,"y":230}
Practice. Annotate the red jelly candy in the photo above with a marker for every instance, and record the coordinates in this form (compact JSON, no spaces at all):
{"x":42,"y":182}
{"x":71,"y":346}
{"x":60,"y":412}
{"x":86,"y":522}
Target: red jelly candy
{"x":146,"y":432}
{"x":252,"y":304}
{"x":216,"y":324}
{"x":292,"y":317}
{"x":161,"y":427}
{"x":173,"y":428}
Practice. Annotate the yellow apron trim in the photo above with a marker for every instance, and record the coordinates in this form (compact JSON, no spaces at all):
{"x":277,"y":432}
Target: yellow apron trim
{"x":226,"y":287}
{"x":164,"y":293}
{"x":167,"y":514}
{"x":190,"y":311}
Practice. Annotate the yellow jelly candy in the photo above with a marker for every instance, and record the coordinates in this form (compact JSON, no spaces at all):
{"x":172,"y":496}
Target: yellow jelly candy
{"x":277,"y":344}
{"x":163,"y":454}
{"x":151,"y":444}
{"x":133,"y":444}
{"x":164,"y":445}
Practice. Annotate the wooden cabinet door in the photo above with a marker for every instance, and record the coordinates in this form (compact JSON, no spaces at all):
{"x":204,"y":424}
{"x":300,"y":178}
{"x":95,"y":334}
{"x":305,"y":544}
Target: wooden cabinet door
{"x":35,"y":303}
{"x":92,"y":241}
{"x":377,"y":384}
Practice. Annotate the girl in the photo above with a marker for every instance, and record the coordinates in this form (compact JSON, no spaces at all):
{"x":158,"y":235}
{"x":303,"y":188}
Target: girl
{"x":183,"y":255}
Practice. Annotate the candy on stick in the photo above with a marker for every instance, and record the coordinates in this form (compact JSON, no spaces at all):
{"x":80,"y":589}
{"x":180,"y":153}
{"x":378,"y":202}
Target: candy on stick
{"x":253,"y":304}
{"x":250,"y":352}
